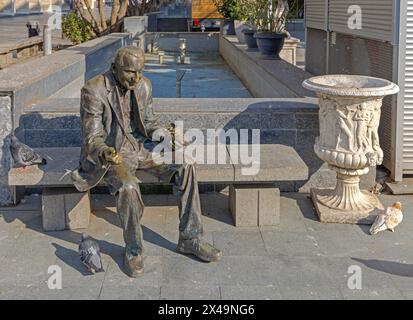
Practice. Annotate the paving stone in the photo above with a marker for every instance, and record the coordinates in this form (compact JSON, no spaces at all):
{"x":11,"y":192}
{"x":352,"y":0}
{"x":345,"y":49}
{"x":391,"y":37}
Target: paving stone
{"x":268,"y":292}
{"x":216,"y":215}
{"x":259,"y":271}
{"x":305,"y":278}
{"x":244,"y":243}
{"x":290,"y":243}
{"x":291,"y":218}
{"x":339,"y":241}
{"x":184,"y":270}
{"x":123,"y":292}
{"x":376,"y":282}
{"x":190,"y":293}
{"x":292,"y":291}
{"x":291,"y":265}
{"x":27,"y":261}
{"x":153,"y":273}
{"x":44,"y":293}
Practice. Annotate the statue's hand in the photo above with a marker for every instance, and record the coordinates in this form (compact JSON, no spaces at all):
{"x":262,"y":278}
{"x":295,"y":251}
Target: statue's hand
{"x":111,"y":156}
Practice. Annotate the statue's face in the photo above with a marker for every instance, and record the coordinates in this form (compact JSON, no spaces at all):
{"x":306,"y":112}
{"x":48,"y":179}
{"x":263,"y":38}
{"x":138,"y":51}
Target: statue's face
{"x":129,"y":71}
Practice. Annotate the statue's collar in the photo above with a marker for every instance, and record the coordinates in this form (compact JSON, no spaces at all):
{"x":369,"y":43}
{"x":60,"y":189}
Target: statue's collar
{"x":111,"y":82}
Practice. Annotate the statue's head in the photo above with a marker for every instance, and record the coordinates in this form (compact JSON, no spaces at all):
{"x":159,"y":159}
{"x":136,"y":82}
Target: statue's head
{"x":128,"y":66}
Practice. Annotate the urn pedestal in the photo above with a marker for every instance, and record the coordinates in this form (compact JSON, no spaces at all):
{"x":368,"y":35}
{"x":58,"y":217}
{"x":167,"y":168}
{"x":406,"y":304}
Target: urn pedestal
{"x":350,"y":110}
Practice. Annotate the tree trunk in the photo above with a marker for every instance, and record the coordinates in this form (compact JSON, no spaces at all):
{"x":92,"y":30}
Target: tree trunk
{"x":123,"y":8}
{"x":96,"y":23}
{"x":102,"y":14}
{"x":114,"y":13}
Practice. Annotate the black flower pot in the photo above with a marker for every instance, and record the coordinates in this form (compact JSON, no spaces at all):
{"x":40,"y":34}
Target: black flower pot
{"x":249,"y":39}
{"x":228,"y":28}
{"x":270,"y":44}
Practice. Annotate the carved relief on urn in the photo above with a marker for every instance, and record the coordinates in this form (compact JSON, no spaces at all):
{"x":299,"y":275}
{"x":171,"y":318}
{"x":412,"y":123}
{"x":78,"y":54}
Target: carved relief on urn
{"x":350,"y":109}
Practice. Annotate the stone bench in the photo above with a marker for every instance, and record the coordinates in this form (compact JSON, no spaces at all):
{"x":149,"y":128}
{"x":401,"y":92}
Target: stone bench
{"x":253,"y":200}
{"x":21,"y":49}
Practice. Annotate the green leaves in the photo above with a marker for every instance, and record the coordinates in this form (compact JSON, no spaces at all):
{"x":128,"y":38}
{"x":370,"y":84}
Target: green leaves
{"x":76,"y":29}
{"x":231,"y":9}
{"x":266,"y":15}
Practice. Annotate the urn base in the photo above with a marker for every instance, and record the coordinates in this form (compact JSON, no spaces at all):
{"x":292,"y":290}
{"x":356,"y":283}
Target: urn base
{"x":330,"y":215}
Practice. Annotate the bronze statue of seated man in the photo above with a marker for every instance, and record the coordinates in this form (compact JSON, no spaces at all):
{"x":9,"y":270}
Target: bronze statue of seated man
{"x":117,"y":123}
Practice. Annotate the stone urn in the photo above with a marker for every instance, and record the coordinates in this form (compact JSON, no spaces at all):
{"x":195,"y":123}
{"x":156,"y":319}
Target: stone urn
{"x":349,"y":116}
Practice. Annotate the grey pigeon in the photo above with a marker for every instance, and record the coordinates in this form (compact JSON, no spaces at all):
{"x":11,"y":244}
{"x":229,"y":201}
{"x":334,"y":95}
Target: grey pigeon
{"x":23,"y":155}
{"x":89,"y":252}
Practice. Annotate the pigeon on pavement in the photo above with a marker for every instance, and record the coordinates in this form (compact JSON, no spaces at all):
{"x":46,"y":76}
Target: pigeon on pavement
{"x":390,"y":219}
{"x":89,"y":252}
{"x":23,"y":155}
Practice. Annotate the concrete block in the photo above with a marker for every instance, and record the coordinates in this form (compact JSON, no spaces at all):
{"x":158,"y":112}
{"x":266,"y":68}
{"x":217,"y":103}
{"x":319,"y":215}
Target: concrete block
{"x":53,"y":210}
{"x":65,"y":208}
{"x":255,"y":205}
{"x":243,"y":204}
{"x":77,"y":206}
{"x":23,"y":53}
{"x":269,"y":206}
{"x":6,"y":59}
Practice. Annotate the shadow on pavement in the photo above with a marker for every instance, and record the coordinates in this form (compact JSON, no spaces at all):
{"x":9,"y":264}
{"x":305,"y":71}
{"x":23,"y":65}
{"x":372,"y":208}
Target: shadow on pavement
{"x":391,"y":267}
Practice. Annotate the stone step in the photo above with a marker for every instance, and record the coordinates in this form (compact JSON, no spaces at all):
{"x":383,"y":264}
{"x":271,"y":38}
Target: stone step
{"x":55,"y":105}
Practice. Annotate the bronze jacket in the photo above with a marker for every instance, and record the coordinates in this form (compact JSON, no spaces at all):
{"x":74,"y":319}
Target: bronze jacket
{"x":102,"y":125}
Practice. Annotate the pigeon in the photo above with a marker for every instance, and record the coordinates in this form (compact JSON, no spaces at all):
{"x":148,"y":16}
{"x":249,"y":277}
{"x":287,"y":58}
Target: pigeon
{"x":23,"y":155}
{"x":89,"y":252}
{"x":390,"y":219}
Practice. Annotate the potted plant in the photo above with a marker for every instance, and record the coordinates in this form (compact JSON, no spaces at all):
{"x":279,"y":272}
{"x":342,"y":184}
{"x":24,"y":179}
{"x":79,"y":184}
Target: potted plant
{"x":270,"y":19}
{"x":250,"y":11}
{"x":231,"y":10}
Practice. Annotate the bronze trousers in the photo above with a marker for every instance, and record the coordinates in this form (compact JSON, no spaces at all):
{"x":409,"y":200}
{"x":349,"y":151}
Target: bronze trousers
{"x":124,"y":185}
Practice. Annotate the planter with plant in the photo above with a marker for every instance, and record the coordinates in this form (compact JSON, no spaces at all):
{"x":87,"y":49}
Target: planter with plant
{"x":270,"y":18}
{"x":232,"y":11}
{"x":250,"y":12}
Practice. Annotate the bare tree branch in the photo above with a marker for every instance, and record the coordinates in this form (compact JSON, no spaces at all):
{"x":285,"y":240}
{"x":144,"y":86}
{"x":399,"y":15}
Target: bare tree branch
{"x":114,"y":13}
{"x":102,"y":14}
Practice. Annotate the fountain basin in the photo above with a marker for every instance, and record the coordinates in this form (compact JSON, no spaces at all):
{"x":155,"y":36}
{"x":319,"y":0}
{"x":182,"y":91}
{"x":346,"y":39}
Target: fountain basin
{"x":351,"y":86}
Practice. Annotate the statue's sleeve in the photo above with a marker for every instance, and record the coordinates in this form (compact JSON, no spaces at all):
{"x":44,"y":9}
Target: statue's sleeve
{"x":91,"y":118}
{"x":151,"y":121}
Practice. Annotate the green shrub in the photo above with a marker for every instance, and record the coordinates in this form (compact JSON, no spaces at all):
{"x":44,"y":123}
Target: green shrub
{"x":230,"y":9}
{"x":76,"y":29}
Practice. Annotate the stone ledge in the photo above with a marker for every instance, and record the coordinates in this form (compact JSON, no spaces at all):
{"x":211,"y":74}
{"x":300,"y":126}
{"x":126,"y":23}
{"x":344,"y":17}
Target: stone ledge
{"x":264,"y":78}
{"x":278,"y":162}
{"x":192,"y":105}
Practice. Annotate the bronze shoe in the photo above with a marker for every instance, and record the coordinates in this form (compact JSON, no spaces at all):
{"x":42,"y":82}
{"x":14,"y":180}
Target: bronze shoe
{"x":133,"y":265}
{"x":203,"y":250}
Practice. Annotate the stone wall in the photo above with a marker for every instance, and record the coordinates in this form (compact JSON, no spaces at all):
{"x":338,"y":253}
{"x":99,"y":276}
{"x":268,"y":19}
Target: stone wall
{"x":263,"y":78}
